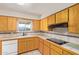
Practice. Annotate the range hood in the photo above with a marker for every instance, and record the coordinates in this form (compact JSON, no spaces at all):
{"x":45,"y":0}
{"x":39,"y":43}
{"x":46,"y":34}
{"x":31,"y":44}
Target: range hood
{"x":62,"y":27}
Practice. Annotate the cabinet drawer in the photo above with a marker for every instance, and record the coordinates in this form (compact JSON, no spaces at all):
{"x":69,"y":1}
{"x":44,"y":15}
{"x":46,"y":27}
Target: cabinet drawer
{"x":9,"y":42}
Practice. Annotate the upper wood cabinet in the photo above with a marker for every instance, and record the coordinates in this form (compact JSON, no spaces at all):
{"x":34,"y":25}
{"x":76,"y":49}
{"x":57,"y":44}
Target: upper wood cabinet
{"x":51,"y":19}
{"x":62,"y":16}
{"x":3,"y":24}
{"x":74,"y":19}
{"x":36,"y":25}
{"x":44,"y":25}
{"x":8,"y":24}
{"x":12,"y":24}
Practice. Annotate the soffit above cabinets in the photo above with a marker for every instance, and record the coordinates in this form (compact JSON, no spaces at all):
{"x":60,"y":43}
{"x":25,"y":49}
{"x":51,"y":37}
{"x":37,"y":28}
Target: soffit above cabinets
{"x":35,"y":10}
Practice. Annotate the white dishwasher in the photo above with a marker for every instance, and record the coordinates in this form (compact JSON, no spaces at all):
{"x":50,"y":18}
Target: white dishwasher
{"x":9,"y":47}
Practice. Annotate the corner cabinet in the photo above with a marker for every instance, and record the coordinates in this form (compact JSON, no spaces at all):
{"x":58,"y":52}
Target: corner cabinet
{"x":36,"y":25}
{"x":62,"y":16}
{"x":74,"y":19}
{"x":44,"y":25}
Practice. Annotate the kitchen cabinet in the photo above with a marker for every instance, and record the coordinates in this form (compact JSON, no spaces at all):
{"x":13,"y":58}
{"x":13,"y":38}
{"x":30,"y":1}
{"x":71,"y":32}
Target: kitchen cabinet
{"x":12,"y":24}
{"x":32,"y":43}
{"x":53,"y":52}
{"x":62,"y":16}
{"x":22,"y":45}
{"x":66,"y":53}
{"x":51,"y":20}
{"x":36,"y":25}
{"x":55,"y":49}
{"x":8,"y":24}
{"x":73,"y":19}
{"x":44,"y":25}
{"x":46,"y":49}
{"x":3,"y":24}
{"x":41,"y":45}
{"x":27,"y":44}
{"x":0,"y":47}
{"x":9,"y":47}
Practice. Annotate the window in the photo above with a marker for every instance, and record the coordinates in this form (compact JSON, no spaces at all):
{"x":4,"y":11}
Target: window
{"x":25,"y":26}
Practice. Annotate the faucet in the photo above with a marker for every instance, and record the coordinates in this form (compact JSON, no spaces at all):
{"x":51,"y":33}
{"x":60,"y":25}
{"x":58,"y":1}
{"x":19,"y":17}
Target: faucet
{"x":23,"y":33}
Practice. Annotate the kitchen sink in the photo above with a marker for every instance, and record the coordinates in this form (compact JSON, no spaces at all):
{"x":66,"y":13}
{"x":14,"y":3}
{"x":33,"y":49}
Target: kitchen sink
{"x":57,"y":41}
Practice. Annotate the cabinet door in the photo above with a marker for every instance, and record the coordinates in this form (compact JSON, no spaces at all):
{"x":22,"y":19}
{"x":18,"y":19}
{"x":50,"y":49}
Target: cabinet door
{"x":51,"y":20}
{"x":36,"y":25}
{"x":22,"y":45}
{"x":12,"y":24}
{"x":62,"y":17}
{"x":56,"y":48}
{"x":44,"y":25}
{"x":73,"y":19}
{"x":46,"y":50}
{"x":0,"y":47}
{"x":53,"y":52}
{"x":41,"y":47}
{"x":3,"y":24}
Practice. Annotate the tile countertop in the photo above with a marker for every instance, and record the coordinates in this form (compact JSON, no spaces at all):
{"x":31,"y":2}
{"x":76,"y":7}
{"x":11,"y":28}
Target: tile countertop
{"x":12,"y":37}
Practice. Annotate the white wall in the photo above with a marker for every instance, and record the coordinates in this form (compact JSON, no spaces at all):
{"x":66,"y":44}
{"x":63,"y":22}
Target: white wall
{"x":17,"y":14}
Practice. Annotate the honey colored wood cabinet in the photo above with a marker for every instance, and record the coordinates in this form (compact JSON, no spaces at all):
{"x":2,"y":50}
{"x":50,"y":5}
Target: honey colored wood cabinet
{"x":3,"y":24}
{"x":66,"y":53}
{"x":41,"y":45}
{"x":32,"y":43}
{"x":51,"y":20}
{"x":0,"y":47}
{"x":22,"y":45}
{"x":46,"y":49}
{"x":36,"y":25}
{"x":55,"y":49}
{"x":44,"y":25}
{"x":8,"y":24}
{"x":27,"y":44}
{"x":62,"y":16}
{"x":53,"y":52}
{"x":74,"y":19}
{"x":12,"y":24}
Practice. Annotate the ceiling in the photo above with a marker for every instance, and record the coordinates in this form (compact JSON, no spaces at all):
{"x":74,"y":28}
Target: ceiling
{"x":40,"y":10}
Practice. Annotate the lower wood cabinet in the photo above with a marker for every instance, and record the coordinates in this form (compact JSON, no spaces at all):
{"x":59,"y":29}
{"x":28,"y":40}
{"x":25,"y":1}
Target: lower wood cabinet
{"x":53,"y":52}
{"x":41,"y":45}
{"x":31,"y":43}
{"x":22,"y":46}
{"x":0,"y":47}
{"x":46,"y":50}
{"x":27,"y":44}
{"x":66,"y":53}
